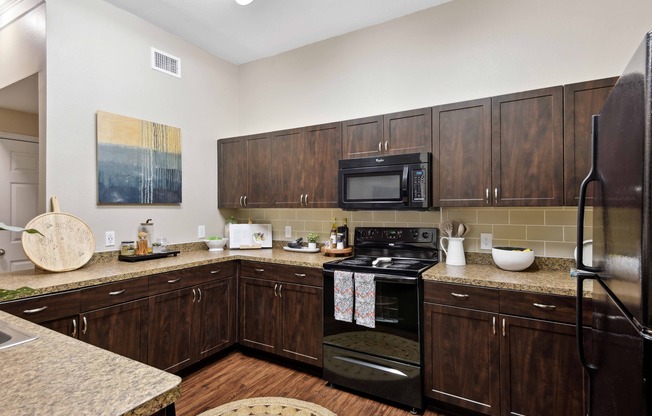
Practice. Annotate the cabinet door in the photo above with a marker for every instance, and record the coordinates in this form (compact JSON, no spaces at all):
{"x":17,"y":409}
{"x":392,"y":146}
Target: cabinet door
{"x":169,"y":345}
{"x":289,"y":156}
{"x":121,"y":329}
{"x":67,"y":326}
{"x":258,"y":172}
{"x":362,"y":137}
{"x":301,"y":324}
{"x":461,"y":348}
{"x":407,"y":132}
{"x":581,"y":101}
{"x":231,"y":163}
{"x":214,"y":317}
{"x":527,"y":148}
{"x":461,"y":149}
{"x":324,"y":145}
{"x":258,"y":314}
{"x":540,"y":371}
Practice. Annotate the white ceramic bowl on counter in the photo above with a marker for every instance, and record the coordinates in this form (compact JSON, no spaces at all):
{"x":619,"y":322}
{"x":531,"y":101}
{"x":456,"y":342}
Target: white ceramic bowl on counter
{"x":216,"y":245}
{"x":512,"y":258}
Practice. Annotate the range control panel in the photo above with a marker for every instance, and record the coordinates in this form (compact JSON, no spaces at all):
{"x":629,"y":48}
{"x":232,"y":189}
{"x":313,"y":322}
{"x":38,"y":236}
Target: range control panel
{"x":399,"y":234}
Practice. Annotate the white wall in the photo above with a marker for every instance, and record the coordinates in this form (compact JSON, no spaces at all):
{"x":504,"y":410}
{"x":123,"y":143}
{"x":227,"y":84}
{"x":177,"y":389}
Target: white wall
{"x":98,"y":58}
{"x":461,"y":50}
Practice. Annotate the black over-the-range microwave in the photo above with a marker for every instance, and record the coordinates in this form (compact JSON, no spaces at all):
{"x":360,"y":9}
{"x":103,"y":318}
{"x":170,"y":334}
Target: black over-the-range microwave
{"x":397,"y":182}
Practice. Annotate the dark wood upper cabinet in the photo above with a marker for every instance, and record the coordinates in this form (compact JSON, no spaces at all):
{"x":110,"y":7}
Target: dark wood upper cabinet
{"x":362,"y":137}
{"x":527,"y":148}
{"x":390,"y":134}
{"x":304,"y":166}
{"x":581,"y":101}
{"x":244,"y":171}
{"x":461,"y":153}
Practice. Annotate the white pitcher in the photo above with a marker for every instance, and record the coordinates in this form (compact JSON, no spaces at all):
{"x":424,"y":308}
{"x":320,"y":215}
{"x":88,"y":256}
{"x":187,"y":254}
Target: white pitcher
{"x":455,"y":251}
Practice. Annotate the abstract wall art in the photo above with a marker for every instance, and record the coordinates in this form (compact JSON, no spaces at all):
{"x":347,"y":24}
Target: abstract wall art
{"x":138,"y":162}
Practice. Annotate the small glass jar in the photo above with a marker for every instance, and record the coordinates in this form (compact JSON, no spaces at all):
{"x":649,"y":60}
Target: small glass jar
{"x":127,"y":248}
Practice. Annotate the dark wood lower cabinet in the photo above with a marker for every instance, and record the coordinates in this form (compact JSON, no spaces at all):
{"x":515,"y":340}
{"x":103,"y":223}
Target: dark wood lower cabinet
{"x":258,"y":314}
{"x":499,"y":364}
{"x":215,"y":317}
{"x":121,"y":329}
{"x":462,"y":364}
{"x":300,"y":336}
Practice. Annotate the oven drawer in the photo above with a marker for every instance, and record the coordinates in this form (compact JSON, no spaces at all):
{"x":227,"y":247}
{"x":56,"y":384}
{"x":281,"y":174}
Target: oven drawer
{"x":462,"y":296}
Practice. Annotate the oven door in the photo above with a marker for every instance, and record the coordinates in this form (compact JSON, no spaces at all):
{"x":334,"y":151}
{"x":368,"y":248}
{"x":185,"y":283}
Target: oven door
{"x":396,"y":335}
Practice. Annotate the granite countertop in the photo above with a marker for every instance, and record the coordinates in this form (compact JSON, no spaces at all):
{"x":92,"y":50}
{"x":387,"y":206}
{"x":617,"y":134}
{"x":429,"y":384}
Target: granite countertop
{"x":58,"y":375}
{"x":546,"y":276}
{"x":555,"y":282}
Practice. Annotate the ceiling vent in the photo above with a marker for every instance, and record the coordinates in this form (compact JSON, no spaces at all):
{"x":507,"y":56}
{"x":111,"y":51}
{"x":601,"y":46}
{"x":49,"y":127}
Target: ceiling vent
{"x":164,"y":62}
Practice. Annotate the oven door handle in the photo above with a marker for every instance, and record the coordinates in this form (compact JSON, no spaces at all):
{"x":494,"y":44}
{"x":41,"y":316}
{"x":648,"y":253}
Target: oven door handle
{"x":383,"y":278}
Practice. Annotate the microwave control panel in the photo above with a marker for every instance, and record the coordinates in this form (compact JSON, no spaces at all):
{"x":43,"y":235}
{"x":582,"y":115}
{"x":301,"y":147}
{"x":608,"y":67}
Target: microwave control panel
{"x":418,"y":184}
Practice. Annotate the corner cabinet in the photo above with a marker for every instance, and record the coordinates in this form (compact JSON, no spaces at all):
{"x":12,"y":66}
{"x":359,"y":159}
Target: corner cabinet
{"x":581,"y":101}
{"x":528,"y":148}
{"x":191,"y":315}
{"x":500,"y":352}
{"x":389,"y":134}
{"x":304,"y":166}
{"x":244,"y":171}
{"x":281,"y":310}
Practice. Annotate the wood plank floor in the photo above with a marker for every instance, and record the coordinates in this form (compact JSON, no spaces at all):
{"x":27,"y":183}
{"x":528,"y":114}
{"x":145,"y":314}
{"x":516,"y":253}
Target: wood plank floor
{"x":238,"y":376}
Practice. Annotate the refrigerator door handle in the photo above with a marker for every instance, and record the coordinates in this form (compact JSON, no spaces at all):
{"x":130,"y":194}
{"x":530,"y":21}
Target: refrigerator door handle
{"x":592,"y":176}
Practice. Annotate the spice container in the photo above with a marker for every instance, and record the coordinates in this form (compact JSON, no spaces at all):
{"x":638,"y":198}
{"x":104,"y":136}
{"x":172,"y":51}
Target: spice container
{"x":127,"y":248}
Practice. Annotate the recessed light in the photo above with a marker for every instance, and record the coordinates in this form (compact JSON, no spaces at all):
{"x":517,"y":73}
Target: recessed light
{"x":243,"y":2}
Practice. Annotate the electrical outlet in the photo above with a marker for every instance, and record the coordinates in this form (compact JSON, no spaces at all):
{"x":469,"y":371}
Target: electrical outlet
{"x":201,"y":231}
{"x":109,"y":239}
{"x":288,"y":231}
{"x":485,"y":241}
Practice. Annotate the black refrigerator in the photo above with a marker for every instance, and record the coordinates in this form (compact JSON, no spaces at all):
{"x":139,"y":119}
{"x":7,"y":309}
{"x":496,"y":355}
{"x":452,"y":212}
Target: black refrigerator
{"x":617,"y":352}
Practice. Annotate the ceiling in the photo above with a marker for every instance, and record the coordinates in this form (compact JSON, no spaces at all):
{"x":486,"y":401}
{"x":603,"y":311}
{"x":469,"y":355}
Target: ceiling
{"x":241,"y":34}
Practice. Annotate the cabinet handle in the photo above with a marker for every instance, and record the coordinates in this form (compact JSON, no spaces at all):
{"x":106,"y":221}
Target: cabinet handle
{"x":460,"y":295}
{"x":275,"y":287}
{"x":194,"y":296}
{"x":493,"y":325}
{"x":301,"y":200}
{"x":546,"y":307}
{"x":280,"y":291}
{"x":300,"y":274}
{"x":386,"y":145}
{"x":306,"y":199}
{"x":117,"y":292}
{"x":199,"y":291}
{"x":241,"y":201}
{"x":84,"y":326}
{"x":174,"y":280}
{"x":216,"y":271}
{"x":74,"y":328}
{"x":496,"y":195}
{"x":486,"y":195}
{"x":504,"y":329}
{"x":380,"y":147}
{"x":259,"y":270}
{"x":245,"y":200}
{"x":33,"y":311}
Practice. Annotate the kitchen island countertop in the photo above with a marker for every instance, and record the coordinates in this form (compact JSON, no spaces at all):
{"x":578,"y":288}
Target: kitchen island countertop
{"x":58,"y":375}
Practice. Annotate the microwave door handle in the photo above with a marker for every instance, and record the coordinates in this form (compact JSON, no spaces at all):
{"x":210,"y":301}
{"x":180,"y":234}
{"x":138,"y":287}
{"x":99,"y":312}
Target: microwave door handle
{"x":404,"y":186}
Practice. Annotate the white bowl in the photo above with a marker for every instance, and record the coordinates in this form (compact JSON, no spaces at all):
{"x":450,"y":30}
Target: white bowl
{"x":216,"y":245}
{"x":512,"y":258}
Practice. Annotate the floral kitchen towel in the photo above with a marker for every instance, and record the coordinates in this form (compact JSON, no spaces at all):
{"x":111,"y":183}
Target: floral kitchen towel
{"x":365,"y":300}
{"x":343,"y":296}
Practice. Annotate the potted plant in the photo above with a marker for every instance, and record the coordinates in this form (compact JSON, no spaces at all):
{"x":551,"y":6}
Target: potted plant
{"x":312,"y":240}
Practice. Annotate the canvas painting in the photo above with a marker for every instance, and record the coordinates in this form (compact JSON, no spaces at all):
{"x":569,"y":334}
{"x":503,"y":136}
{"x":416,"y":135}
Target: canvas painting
{"x":138,"y":162}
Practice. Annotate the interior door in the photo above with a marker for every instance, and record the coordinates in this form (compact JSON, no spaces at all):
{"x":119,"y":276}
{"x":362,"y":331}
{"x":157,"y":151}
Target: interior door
{"x":18,"y":198}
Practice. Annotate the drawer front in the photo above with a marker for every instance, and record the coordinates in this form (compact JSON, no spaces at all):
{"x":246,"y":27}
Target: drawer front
{"x":165,"y":282}
{"x":45,"y":308}
{"x":301,"y":275}
{"x":463,"y":296}
{"x":259,"y":270}
{"x":97,"y":297}
{"x":543,"y":306}
{"x":209,"y":272}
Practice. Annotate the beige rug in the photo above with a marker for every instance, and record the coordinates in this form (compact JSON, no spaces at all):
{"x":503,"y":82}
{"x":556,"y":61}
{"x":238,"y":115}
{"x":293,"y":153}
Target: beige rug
{"x":275,"y":406}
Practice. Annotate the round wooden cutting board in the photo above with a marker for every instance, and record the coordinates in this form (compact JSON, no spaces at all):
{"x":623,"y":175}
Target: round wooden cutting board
{"x":67,"y":242}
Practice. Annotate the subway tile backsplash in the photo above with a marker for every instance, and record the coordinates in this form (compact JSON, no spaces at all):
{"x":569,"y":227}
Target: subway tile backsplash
{"x":549,"y":231}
